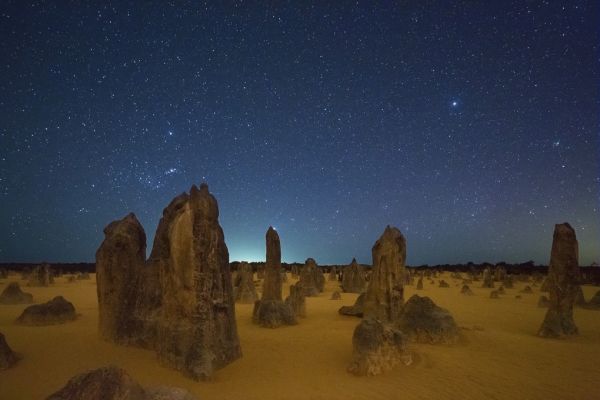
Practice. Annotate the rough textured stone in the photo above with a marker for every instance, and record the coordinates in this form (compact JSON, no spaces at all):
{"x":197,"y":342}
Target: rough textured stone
{"x":270,"y":311}
{"x":128,"y":292}
{"x":112,"y":383}
{"x":355,"y":310}
{"x":354,"y":278}
{"x":424,"y":322}
{"x":56,"y":311}
{"x":40,"y":276}
{"x":245,"y":291}
{"x":296,"y":300}
{"x":8,"y":358}
{"x":580,"y":298}
{"x":333,"y":274}
{"x":12,"y":294}
{"x":377,"y":347}
{"x":420,"y":284}
{"x":197,"y":332}
{"x":563,"y":283}
{"x":385,"y":293}
{"x":311,"y":278}
{"x":443,"y":284}
{"x":336,"y":295}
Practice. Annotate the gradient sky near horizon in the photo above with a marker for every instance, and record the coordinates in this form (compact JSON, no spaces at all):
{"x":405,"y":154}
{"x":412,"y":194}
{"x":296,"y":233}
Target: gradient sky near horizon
{"x":472,"y":126}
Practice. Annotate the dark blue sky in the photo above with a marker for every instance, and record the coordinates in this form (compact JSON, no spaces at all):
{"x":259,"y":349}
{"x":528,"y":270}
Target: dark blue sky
{"x":471,"y":126}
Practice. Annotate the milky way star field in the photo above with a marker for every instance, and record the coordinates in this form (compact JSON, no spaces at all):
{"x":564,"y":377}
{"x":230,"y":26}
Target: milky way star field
{"x":472,"y":126}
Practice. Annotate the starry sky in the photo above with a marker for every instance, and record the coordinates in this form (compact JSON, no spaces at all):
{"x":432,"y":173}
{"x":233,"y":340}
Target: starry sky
{"x":472,"y":126}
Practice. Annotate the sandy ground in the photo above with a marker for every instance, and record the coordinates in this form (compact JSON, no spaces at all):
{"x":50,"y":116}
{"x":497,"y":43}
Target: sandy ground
{"x":503,"y":358}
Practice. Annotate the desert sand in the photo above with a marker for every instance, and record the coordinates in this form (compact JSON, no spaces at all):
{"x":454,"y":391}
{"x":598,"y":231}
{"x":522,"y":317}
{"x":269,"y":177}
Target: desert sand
{"x":502,"y":358}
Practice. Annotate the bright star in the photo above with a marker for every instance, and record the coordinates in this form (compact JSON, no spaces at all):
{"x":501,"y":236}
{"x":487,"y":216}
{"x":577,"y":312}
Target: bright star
{"x":170,"y":133}
{"x":454,"y":103}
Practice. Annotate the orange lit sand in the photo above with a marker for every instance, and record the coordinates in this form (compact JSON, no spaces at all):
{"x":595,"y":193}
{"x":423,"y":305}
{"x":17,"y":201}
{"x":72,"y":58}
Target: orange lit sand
{"x":505,"y":360}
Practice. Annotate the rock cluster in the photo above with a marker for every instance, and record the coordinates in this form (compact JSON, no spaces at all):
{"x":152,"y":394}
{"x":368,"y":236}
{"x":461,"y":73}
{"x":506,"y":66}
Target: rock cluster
{"x":56,"y":311}
{"x":40,"y":276}
{"x":311,"y":278}
{"x":563,"y":283}
{"x":12,"y":294}
{"x":112,"y":383}
{"x":180,"y":301}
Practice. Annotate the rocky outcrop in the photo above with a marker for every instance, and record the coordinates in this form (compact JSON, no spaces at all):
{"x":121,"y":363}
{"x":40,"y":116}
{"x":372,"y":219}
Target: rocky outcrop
{"x":12,"y":294}
{"x":40,"y":276}
{"x":56,"y":311}
{"x":180,"y":301}
{"x":244,"y":290}
{"x":311,"y":278}
{"x":336,"y":295}
{"x":385,"y":294}
{"x":128,"y":289}
{"x":466,"y":290}
{"x":527,"y":290}
{"x":594,"y":303}
{"x":354,"y":278}
{"x":8,"y":358}
{"x":420,"y":284}
{"x":270,"y":311}
{"x":488,"y":280}
{"x":333,"y":274}
{"x":112,"y":383}
{"x":296,"y":300}
{"x":443,"y":284}
{"x":377,"y":347}
{"x":197,"y":332}
{"x":424,"y":322}
{"x":563,"y":283}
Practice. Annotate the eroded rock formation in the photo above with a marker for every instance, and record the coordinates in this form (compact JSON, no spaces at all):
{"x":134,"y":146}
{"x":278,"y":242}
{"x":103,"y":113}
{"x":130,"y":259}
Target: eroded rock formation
{"x":56,"y":311}
{"x":354,"y":278}
{"x":563,"y":283}
{"x":311,"y":278}
{"x":296,"y":300}
{"x":8,"y":358}
{"x":113,"y":383}
{"x":12,"y":294}
{"x":424,"y":322}
{"x":245,"y":291}
{"x":40,"y":276}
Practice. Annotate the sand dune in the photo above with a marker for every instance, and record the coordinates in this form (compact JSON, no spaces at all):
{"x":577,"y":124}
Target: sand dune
{"x":502,"y":359}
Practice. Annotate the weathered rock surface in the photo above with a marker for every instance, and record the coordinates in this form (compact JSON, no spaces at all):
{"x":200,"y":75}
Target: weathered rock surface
{"x":355,"y":310}
{"x":466,"y":290}
{"x":420,"y":284}
{"x":336,"y":295}
{"x":197,"y":332}
{"x":8,"y":358}
{"x":270,"y":311}
{"x":128,"y":289}
{"x":385,"y":294}
{"x":12,"y":294}
{"x":112,"y":383}
{"x":296,"y":300}
{"x":245,"y":291}
{"x":563,"y":283}
{"x":444,"y":284}
{"x":40,"y":276}
{"x":424,"y":322}
{"x":488,"y":279}
{"x":354,"y":278}
{"x":333,"y":274}
{"x":377,"y":347}
{"x":311,"y":278}
{"x":56,"y":311}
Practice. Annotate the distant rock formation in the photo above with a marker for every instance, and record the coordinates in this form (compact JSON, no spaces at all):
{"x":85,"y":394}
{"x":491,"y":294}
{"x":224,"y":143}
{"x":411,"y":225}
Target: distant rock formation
{"x":296,"y":300}
{"x":501,"y":290}
{"x":579,"y":298}
{"x":420,"y":284}
{"x":336,"y":295}
{"x":180,"y":301}
{"x":488,"y":280}
{"x":112,"y":383}
{"x":311,"y":278}
{"x":354,"y":278}
{"x":244,"y":290}
{"x":127,"y":305}
{"x":494,"y":294}
{"x":424,"y":322}
{"x":466,"y":290}
{"x":443,"y":284}
{"x":385,"y":294}
{"x":594,"y":303}
{"x":333,"y":274}
{"x":270,"y":311}
{"x":12,"y":294}
{"x":40,"y":276}
{"x":56,"y":311}
{"x":527,"y":290}
{"x":377,"y":347}
{"x":8,"y":358}
{"x":563,"y":283}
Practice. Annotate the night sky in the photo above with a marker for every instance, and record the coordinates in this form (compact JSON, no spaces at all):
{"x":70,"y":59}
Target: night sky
{"x":472,"y":126}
